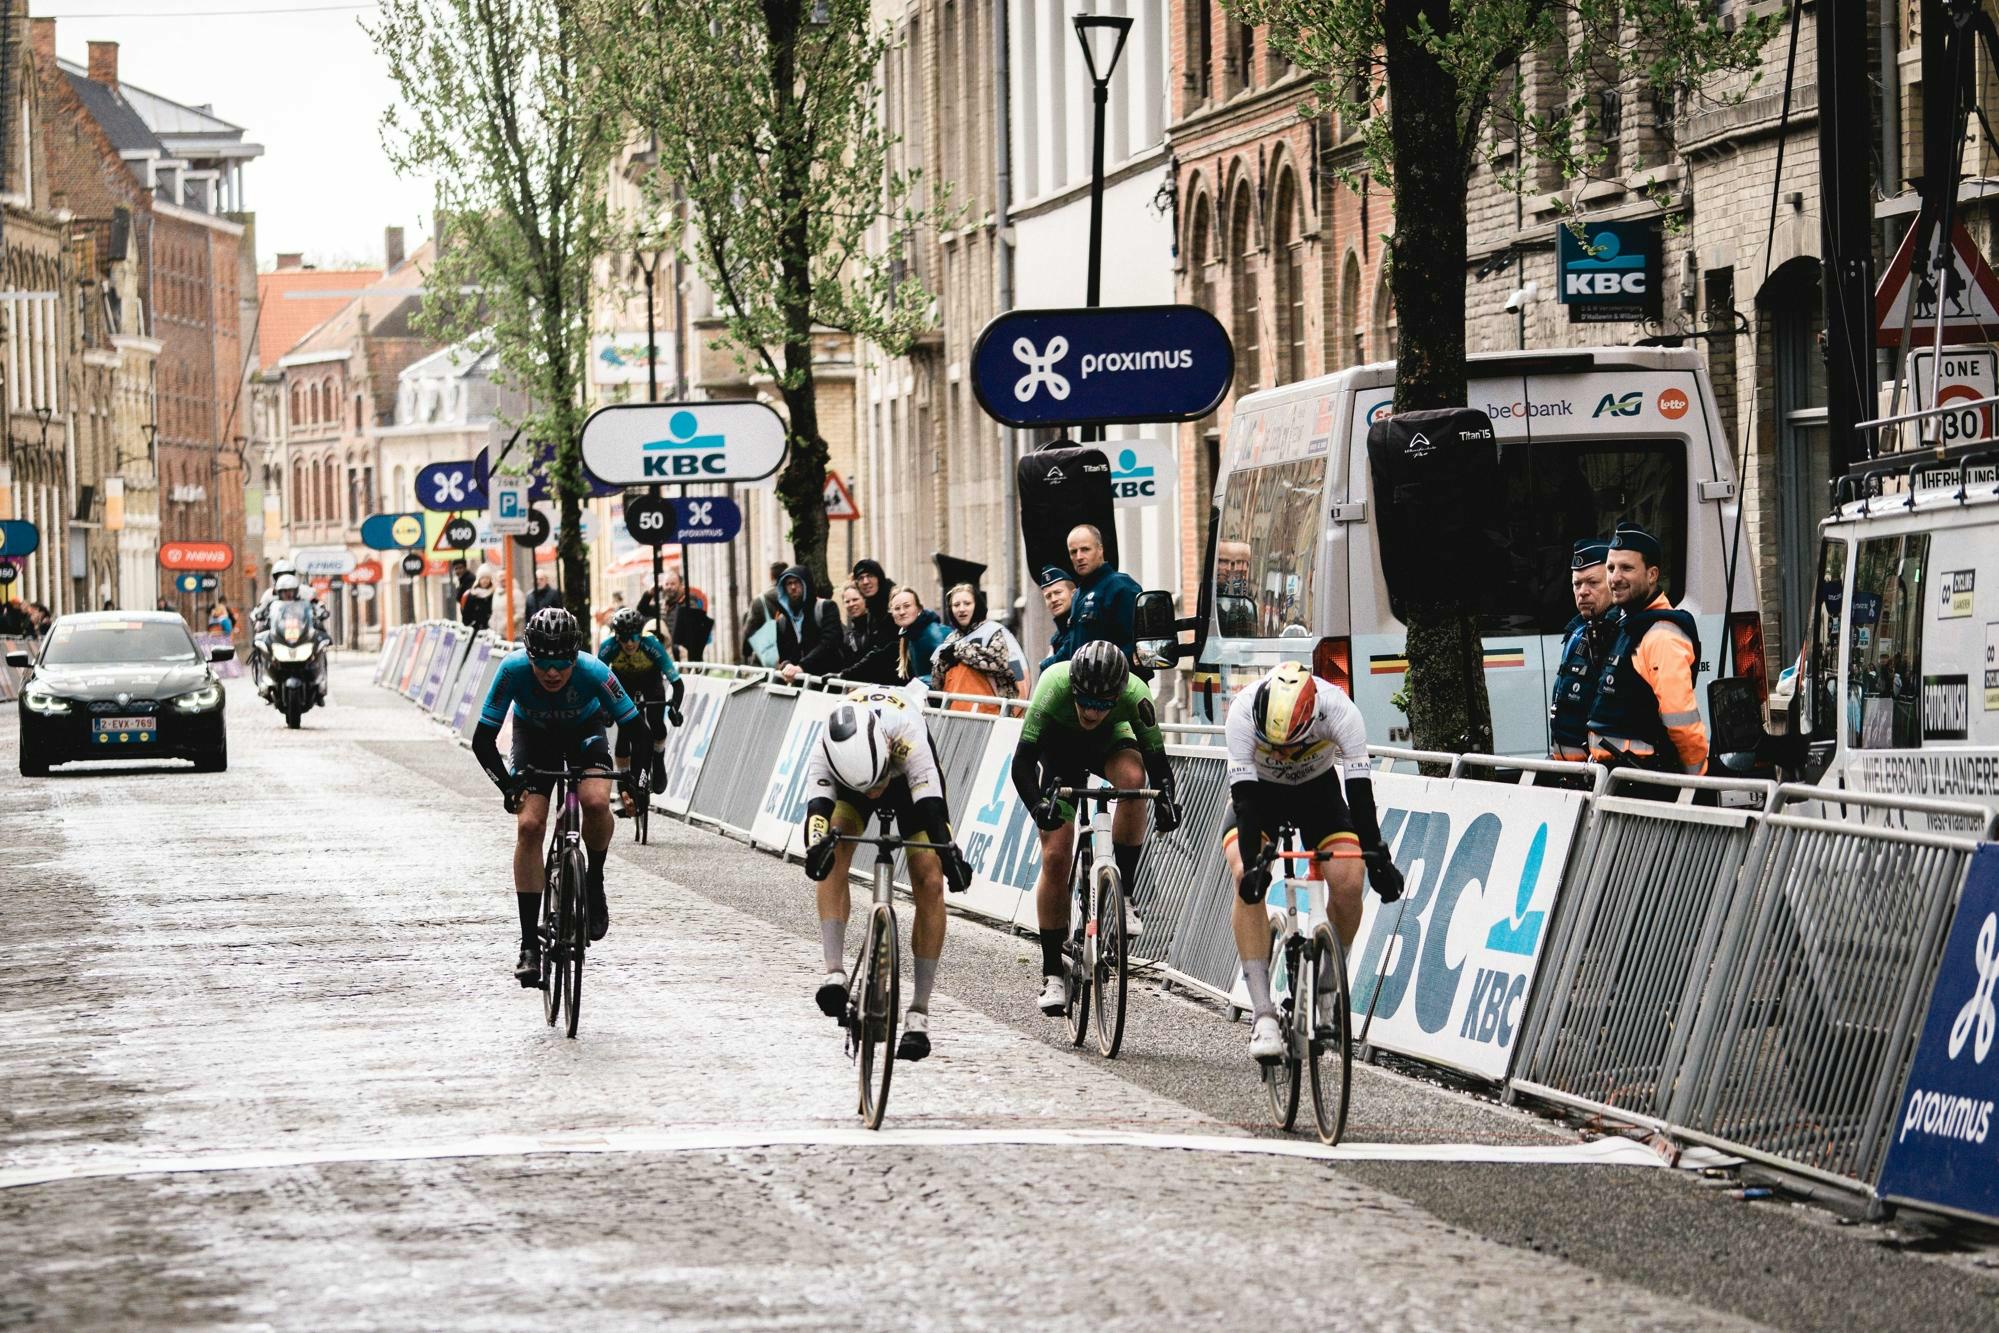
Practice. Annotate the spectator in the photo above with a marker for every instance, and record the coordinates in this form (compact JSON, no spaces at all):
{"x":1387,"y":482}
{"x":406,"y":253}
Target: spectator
{"x":461,"y":579}
{"x":221,"y":620}
{"x":543,"y":597}
{"x":881,"y":645}
{"x":1645,"y":713}
{"x":759,"y":642}
{"x":15,"y":622}
{"x":1058,"y":592}
{"x":162,"y":605}
{"x":980,"y":656}
{"x":475,"y":604}
{"x":1105,"y":600}
{"x":683,"y":615}
{"x":109,"y":605}
{"x":41,"y":616}
{"x":854,"y":634}
{"x":808,"y":628}
{"x":918,"y":632}
{"x":604,"y":614}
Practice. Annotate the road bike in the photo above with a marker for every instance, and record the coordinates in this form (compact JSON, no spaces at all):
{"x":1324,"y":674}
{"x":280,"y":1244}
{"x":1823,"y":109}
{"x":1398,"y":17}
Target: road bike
{"x":640,"y":787}
{"x":1306,"y":960}
{"x":874,"y":983}
{"x":1098,"y":951}
{"x":565,"y":909}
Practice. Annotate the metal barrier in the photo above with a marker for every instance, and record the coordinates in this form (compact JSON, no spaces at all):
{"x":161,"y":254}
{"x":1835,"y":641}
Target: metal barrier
{"x":1189,"y":898}
{"x":747,"y":738}
{"x":12,"y":678}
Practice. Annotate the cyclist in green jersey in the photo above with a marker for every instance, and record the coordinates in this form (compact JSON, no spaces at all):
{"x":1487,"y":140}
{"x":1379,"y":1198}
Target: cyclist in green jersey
{"x":1088,"y":715}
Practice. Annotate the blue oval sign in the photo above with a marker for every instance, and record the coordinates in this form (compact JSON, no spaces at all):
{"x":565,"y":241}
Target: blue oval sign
{"x":544,"y":458}
{"x":392,"y":532}
{"x":450,"y":487}
{"x":19,"y":537}
{"x":706,"y":518}
{"x":1095,"y":367}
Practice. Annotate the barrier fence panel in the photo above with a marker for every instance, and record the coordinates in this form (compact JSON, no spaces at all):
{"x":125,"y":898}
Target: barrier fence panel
{"x":418,"y":661}
{"x":465,"y":696}
{"x":443,"y":666}
{"x":1801,"y":1047}
{"x":1630,"y":948}
{"x":12,"y":678}
{"x":391,"y":644}
{"x":454,"y":678}
{"x":1189,"y":896}
{"x":687,"y":745}
{"x":746,"y":742}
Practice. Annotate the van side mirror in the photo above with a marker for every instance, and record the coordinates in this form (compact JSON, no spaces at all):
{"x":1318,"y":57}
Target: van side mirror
{"x":1155,"y":630}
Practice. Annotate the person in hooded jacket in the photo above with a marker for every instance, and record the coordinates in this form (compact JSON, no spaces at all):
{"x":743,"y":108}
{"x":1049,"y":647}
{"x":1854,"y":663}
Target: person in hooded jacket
{"x":878,"y":661}
{"x":980,"y":657}
{"x":808,"y":628}
{"x":919,"y":632}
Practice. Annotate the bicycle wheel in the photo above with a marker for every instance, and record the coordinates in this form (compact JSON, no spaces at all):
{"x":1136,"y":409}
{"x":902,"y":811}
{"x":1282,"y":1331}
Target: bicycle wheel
{"x":877,"y":998}
{"x":1110,"y":974}
{"x":1280,"y":1078}
{"x":642,"y":813}
{"x":1078,"y":958}
{"x":1331,"y":1047}
{"x":575,"y":931}
{"x":553,"y":977}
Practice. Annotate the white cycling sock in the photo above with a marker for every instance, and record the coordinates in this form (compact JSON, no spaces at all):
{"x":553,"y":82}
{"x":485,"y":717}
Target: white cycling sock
{"x":1256,"y":974}
{"x":926,"y":977}
{"x":833,"y":942}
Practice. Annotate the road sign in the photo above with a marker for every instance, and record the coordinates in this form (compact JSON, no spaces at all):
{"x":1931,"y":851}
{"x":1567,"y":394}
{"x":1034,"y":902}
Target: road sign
{"x":1091,"y":367}
{"x":649,"y":519}
{"x":364,"y":592}
{"x":446,"y":487}
{"x":542,"y":461}
{"x":1970,"y":306}
{"x":196,"y":582}
{"x":365,"y":571}
{"x":19,"y":537}
{"x":392,"y":532}
{"x":840,"y":506}
{"x":458,"y":534}
{"x":706,"y":518}
{"x":538,"y":528}
{"x":412,"y":564}
{"x":196,"y":555}
{"x":323,"y":561}
{"x":511,"y":514}
{"x":638,"y":444}
{"x":1969,"y":373}
{"x":8,"y":573}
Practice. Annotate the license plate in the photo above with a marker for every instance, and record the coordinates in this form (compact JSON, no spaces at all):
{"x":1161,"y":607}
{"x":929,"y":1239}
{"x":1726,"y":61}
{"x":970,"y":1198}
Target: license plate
{"x":124,"y":730}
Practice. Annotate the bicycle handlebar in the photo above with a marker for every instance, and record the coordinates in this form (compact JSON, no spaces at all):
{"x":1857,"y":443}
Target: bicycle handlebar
{"x":890,"y":843}
{"x":1105,"y":793}
{"x":570,"y":774}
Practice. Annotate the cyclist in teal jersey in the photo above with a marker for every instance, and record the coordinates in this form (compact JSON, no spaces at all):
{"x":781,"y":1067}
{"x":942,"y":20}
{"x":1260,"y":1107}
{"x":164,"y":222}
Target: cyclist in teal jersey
{"x":1088,"y":715}
{"x":645,"y":668}
{"x":561,"y":704}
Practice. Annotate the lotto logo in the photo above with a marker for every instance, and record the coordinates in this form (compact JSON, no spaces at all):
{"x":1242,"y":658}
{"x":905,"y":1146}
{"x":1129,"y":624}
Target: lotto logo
{"x":1673,"y":404}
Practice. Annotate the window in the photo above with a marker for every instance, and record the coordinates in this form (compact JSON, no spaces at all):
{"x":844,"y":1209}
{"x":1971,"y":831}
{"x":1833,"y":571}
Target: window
{"x":1202,"y":15}
{"x":1245,"y":55}
{"x":1242,"y":295}
{"x":1200,"y":291}
{"x":1265,"y":550}
{"x":1884,"y":697}
{"x":1289,"y":285}
{"x":1817,"y":689}
{"x":1347,"y":342}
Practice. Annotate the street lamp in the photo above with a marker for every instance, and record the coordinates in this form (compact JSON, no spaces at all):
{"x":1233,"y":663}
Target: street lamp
{"x":1102,"y":37}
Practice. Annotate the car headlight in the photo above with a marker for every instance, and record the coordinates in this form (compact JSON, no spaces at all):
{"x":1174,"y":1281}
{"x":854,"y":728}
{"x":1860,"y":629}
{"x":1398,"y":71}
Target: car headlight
{"x":199,"y":700}
{"x":39,"y":700}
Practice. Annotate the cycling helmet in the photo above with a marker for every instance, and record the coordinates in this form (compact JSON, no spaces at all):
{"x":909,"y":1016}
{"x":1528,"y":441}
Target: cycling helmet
{"x":855,"y":748}
{"x":1286,"y":702}
{"x":626,"y":623}
{"x":1098,"y":671}
{"x":285,"y":583}
{"x":551,"y":632}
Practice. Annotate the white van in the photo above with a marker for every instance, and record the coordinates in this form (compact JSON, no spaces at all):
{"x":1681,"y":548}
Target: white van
{"x":1898,"y":691}
{"x":1588,"y":438}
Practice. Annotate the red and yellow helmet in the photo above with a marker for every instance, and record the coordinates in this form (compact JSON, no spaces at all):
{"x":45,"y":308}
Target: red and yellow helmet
{"x":1286,"y":703}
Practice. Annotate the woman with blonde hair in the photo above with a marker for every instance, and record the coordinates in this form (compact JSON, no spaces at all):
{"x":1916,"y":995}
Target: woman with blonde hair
{"x":980,"y":656}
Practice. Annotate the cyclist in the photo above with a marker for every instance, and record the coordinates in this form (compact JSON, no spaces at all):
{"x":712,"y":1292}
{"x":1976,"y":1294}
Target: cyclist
{"x":644,"y":667}
{"x":1294,"y":742}
{"x":1088,"y":715}
{"x":561,"y":704}
{"x":876,"y":754}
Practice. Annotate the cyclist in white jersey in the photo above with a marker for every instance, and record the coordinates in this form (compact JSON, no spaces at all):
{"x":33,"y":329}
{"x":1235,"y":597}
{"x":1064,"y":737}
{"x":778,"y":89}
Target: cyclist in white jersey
{"x":1297,"y":750}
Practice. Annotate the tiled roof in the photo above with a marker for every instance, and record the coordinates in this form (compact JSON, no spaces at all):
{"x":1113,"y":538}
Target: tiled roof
{"x":289,"y":310}
{"x":108,"y":107}
{"x":390,"y":302}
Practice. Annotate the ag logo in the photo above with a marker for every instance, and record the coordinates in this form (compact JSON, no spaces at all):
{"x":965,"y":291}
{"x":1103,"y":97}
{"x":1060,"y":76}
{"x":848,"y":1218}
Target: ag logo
{"x":1672,"y":404}
{"x":1621,"y":405}
{"x":1976,"y":1021}
{"x":1040,"y":368}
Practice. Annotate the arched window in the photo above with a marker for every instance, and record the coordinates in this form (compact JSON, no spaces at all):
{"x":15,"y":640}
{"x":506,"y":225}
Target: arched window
{"x":329,"y":509}
{"x":1351,"y":335}
{"x":298,"y":404}
{"x":1382,"y":345}
{"x":1242,"y":295}
{"x":299,"y":496}
{"x":1287,"y":283}
{"x":1200,"y":250}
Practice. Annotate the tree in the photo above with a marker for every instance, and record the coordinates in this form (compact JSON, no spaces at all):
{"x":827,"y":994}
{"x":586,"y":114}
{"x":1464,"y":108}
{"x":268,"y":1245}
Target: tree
{"x":500,"y":107}
{"x":1421,"y":77}
{"x":765,"y":114}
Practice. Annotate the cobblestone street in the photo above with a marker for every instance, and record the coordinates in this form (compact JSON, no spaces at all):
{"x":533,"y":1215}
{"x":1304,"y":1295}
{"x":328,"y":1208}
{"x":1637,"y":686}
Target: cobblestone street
{"x":266,"y":1066}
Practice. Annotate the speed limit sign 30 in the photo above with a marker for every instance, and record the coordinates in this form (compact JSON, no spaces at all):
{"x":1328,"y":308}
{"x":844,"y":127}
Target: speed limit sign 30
{"x":1969,"y":374}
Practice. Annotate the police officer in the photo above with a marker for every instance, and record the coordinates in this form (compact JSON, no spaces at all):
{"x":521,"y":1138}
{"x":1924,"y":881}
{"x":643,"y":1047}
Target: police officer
{"x":1058,"y":591}
{"x":1645,"y":713}
{"x":1585,"y":643}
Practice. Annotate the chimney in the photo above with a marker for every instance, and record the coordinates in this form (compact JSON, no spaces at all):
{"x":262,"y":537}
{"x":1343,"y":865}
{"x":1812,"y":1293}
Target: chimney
{"x":392,"y":248}
{"x":104,"y":63}
{"x":42,"y":37}
{"x":293,"y":259}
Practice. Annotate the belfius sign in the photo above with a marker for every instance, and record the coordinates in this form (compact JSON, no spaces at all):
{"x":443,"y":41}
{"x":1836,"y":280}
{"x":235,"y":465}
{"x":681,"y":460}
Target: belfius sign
{"x":196,"y":555}
{"x":644,"y":444}
{"x":1097,"y":366}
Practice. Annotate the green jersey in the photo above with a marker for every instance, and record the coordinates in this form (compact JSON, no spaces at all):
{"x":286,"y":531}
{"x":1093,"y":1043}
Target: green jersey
{"x":1051,"y":715}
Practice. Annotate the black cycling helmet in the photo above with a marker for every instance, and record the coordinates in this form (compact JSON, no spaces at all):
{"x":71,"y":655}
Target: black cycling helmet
{"x":627,"y":623}
{"x":551,"y":632}
{"x":1098,"y":671}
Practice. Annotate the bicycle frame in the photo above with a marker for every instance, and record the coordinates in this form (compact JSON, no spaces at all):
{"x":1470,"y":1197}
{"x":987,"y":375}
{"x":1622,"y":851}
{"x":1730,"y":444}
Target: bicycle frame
{"x":1306,"y":896}
{"x":1093,"y":844}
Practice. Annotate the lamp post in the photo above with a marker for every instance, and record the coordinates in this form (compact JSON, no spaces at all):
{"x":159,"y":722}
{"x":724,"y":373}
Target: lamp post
{"x":1103,"y":38}
{"x":648,"y":264}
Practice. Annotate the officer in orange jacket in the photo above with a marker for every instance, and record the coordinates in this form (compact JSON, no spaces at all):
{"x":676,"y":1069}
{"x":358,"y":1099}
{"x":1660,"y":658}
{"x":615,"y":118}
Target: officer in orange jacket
{"x":1645,"y":714}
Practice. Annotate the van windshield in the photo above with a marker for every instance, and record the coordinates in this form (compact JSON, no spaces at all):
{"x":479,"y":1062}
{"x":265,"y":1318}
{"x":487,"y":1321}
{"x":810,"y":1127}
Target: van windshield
{"x":1266,"y":550}
{"x":1556,"y":492}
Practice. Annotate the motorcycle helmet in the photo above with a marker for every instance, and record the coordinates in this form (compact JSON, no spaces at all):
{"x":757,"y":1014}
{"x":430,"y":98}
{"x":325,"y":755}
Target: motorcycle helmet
{"x":285,"y":583}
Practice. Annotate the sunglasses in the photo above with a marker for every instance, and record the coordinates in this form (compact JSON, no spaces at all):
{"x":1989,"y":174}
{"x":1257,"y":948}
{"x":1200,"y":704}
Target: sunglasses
{"x":1094,"y":705}
{"x":553,"y":663}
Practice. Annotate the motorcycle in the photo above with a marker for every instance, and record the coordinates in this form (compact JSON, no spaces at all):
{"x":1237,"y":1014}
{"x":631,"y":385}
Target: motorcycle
{"x":291,"y":651}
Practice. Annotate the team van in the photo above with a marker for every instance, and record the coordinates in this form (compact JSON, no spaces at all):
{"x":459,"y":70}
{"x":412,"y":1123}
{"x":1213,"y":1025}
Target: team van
{"x":1586,"y":439}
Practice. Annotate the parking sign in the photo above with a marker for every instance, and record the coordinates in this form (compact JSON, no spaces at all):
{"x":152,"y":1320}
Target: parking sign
{"x":511,"y":514}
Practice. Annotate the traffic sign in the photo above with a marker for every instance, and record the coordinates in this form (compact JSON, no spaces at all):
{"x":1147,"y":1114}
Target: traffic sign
{"x":706,"y":518}
{"x":458,"y":534}
{"x":1101,"y":365}
{"x":8,"y":573}
{"x":638,"y":444}
{"x":196,"y":555}
{"x":19,"y":537}
{"x":511,"y":514}
{"x":538,"y":528}
{"x":537,"y":473}
{"x":446,"y":487}
{"x":649,"y":519}
{"x":840,"y":506}
{"x":323,"y":561}
{"x":364,"y":592}
{"x":196,"y":582}
{"x":1970,"y":306}
{"x":364,"y":572}
{"x":392,"y":532}
{"x":412,"y":564}
{"x":1969,"y":373}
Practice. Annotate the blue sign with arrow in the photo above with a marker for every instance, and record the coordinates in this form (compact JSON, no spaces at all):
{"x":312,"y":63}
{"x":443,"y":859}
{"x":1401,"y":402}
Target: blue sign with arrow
{"x":706,"y":518}
{"x":19,"y":537}
{"x":449,"y":487}
{"x":1097,"y":366}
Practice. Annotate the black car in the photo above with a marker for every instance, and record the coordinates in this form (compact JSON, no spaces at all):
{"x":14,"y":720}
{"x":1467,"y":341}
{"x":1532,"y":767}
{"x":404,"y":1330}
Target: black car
{"x":119,"y":685}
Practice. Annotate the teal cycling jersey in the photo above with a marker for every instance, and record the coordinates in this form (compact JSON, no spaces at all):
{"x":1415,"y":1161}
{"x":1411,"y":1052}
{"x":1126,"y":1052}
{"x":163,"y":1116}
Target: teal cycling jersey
{"x":645,"y":653}
{"x":590,"y":692}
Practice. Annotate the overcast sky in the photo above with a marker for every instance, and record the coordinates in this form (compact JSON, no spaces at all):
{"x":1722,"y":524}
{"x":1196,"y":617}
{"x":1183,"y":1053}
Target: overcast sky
{"x":308,"y":86}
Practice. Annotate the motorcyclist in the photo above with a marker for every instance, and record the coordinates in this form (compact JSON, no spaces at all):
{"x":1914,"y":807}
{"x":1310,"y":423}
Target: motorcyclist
{"x":285,"y":589}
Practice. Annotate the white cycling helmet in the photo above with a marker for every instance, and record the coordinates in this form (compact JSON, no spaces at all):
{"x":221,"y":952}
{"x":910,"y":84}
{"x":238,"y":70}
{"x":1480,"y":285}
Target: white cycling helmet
{"x":855,"y":748}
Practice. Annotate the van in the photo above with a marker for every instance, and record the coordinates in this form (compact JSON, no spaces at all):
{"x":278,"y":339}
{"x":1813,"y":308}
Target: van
{"x":1587,"y":439}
